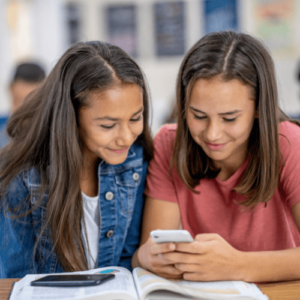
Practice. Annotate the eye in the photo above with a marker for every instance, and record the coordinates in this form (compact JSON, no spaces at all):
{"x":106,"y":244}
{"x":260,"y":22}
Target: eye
{"x":137,"y":119}
{"x":229,"y":120}
{"x":199,"y":118}
{"x":107,"y":127}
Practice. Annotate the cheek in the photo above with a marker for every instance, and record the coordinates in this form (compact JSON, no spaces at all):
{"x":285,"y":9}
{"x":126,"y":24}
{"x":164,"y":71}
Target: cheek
{"x":104,"y":138}
{"x":138,"y":128}
{"x":195,"y":126}
{"x":241,"y":130}
{"x":96,"y":138}
{"x":235,"y":131}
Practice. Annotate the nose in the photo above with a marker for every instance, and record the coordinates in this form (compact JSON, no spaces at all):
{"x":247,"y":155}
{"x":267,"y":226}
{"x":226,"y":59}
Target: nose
{"x":125,"y":136}
{"x":213,"y":131}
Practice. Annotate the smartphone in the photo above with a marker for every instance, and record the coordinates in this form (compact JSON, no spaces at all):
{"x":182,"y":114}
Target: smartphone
{"x":175,"y":236}
{"x":72,"y":280}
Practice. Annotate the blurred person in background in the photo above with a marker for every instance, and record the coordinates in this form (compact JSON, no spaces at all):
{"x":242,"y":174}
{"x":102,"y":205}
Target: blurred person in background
{"x":26,"y":78}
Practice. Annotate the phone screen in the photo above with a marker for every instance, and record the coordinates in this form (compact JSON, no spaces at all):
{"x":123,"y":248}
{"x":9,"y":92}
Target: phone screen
{"x":70,"y":280}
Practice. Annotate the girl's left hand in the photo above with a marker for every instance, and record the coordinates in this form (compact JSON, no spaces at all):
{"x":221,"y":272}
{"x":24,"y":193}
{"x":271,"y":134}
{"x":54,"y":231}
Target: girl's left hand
{"x":208,"y":258}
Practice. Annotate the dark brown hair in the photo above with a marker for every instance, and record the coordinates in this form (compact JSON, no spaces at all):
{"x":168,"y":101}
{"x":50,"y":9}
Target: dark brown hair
{"x":44,"y":135}
{"x":232,"y":55}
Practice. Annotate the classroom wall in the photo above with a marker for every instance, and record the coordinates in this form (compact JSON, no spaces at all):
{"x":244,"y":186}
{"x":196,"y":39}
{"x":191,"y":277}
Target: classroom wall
{"x":48,"y":38}
{"x":29,"y":30}
{"x":4,"y":60}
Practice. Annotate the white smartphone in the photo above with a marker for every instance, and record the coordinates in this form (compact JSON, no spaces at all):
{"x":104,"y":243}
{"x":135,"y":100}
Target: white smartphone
{"x":171,"y":236}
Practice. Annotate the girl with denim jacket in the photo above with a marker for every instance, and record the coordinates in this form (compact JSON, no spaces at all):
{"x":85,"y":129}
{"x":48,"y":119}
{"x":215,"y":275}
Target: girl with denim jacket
{"x":72,"y":177}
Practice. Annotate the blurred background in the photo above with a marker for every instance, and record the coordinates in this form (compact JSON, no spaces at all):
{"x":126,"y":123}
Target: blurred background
{"x":157,"y":33}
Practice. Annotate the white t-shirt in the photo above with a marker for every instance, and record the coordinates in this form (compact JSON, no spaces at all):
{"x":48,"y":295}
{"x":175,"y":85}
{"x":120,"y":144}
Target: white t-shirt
{"x":91,"y":211}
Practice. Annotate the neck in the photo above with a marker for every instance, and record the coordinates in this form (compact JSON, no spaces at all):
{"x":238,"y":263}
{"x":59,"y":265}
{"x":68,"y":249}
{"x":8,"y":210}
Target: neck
{"x":229,"y":167}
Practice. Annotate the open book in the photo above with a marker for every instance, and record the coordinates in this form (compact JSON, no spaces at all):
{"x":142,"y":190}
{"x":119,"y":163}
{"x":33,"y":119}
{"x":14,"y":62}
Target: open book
{"x":140,"y":285}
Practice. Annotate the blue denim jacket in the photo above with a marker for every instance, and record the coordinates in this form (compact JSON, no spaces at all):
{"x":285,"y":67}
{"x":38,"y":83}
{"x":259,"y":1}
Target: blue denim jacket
{"x":121,"y":190}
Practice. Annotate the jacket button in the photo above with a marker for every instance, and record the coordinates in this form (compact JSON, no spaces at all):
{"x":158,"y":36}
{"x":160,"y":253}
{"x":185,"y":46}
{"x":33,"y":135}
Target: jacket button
{"x":109,"y":233}
{"x":136,"y":176}
{"x":109,"y":196}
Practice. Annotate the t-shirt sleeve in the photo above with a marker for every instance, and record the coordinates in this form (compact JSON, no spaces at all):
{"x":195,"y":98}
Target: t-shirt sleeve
{"x":289,"y":142}
{"x":160,"y":183}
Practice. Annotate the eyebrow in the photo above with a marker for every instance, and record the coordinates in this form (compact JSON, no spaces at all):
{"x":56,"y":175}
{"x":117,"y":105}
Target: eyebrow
{"x":221,"y":114}
{"x":116,"y":119}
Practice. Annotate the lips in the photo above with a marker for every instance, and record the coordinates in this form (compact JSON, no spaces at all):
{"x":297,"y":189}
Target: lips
{"x":215,"y":146}
{"x":119,"y":150}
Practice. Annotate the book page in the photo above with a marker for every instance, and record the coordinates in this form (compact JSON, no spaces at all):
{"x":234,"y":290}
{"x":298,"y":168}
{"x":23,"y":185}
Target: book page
{"x":147,"y":282}
{"x":121,"y":287}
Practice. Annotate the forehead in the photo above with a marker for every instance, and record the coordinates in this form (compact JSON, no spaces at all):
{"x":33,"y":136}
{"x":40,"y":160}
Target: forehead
{"x":218,"y":94}
{"x":115,"y":101}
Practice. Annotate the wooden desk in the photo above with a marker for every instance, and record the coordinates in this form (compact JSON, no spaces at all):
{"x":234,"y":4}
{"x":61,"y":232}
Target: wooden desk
{"x":5,"y":287}
{"x":289,"y":290}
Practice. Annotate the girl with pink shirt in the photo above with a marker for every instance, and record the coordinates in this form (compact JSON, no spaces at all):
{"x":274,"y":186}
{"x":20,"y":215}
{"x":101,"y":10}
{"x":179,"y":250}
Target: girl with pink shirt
{"x":228,"y":172}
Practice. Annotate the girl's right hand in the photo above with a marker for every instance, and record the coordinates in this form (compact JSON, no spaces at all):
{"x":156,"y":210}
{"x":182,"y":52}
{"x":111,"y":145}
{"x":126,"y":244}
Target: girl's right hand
{"x":150,"y":258}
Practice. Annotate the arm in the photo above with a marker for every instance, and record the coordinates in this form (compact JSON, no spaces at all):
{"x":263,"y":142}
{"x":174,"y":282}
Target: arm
{"x":275,"y":265}
{"x":296,"y":214}
{"x":17,"y":235}
{"x":211,"y":258}
{"x":158,"y":214}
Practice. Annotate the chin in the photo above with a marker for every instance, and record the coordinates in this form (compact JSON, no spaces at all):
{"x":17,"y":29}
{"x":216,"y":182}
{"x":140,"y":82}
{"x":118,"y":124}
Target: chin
{"x":115,"y":161}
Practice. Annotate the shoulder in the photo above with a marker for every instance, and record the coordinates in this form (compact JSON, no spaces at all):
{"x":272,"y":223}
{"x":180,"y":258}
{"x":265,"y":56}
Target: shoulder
{"x":17,"y":190}
{"x":165,"y":138}
{"x":167,"y":130}
{"x":164,"y":142}
{"x":26,"y":179}
{"x":289,"y":137}
{"x":289,"y":145}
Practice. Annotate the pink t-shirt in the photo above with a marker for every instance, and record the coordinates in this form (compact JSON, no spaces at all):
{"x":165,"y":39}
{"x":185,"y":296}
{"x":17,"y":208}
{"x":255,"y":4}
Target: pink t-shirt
{"x":213,"y":209}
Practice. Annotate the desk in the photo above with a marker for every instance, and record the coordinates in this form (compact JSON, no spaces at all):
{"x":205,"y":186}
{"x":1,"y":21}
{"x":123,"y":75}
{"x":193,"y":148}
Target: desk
{"x":5,"y":287}
{"x":289,"y":290}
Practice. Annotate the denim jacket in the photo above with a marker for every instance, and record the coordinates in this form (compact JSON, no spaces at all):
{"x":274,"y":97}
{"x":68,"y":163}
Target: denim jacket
{"x":121,"y":190}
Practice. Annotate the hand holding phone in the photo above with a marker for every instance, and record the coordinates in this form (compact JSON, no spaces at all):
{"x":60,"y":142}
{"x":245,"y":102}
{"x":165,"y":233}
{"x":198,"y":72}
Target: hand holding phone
{"x":169,"y":236}
{"x":72,"y":280}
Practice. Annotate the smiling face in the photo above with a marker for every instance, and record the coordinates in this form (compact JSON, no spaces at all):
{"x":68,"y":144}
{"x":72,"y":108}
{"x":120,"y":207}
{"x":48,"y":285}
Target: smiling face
{"x":111,"y":123}
{"x":220,"y":118}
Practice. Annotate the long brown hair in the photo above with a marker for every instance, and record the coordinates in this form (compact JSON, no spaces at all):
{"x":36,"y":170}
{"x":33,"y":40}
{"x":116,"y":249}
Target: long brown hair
{"x":238,"y":56}
{"x":44,"y":135}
